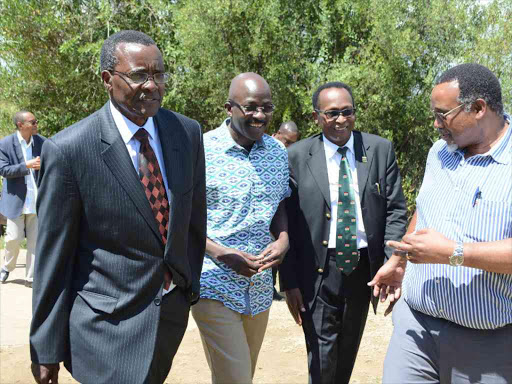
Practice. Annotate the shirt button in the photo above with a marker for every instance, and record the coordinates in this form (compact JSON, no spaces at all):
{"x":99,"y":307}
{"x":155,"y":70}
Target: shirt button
{"x":437,"y":281}
{"x":441,"y":310}
{"x":325,"y":242}
{"x":158,"y":301}
{"x":320,"y":270}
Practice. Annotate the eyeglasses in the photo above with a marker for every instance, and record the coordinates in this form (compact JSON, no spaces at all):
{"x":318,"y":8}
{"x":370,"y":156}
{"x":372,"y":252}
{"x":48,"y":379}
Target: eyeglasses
{"x":32,"y":122}
{"x":267,"y":109}
{"x":335,"y":113}
{"x":142,"y":77}
{"x":442,"y":117}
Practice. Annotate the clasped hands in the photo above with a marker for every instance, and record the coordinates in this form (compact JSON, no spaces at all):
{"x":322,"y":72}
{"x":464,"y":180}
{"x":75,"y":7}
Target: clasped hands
{"x":248,"y":265}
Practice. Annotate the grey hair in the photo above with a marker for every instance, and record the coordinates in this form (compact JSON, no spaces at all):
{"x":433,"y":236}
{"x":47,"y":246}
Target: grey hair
{"x":18,"y":117}
{"x":475,"y":82}
{"x":108,"y":59}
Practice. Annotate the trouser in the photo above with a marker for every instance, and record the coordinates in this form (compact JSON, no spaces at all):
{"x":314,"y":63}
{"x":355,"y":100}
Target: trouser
{"x":231,"y":340}
{"x":333,"y":327}
{"x":424,"y":349}
{"x":22,"y":226}
{"x":174,"y":312}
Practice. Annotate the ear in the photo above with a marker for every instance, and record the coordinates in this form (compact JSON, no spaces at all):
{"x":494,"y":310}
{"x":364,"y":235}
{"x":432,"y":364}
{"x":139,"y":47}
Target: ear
{"x":315,"y":116}
{"x":106,"y":76}
{"x":480,"y":107}
{"x":229,"y":108}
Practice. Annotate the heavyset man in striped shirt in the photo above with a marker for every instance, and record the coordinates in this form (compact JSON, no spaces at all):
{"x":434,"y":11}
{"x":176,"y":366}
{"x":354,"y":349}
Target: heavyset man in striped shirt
{"x":454,"y":324}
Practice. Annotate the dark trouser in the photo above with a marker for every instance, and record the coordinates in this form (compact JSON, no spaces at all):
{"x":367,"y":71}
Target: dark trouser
{"x":427,"y":350}
{"x":333,"y":327}
{"x":173,"y":323}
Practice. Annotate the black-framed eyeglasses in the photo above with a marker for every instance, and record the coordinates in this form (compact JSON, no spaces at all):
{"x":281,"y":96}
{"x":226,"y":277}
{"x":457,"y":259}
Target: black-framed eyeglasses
{"x":267,"y":109}
{"x":142,"y":77}
{"x":442,"y":117}
{"x":32,"y":122}
{"x":335,"y":113}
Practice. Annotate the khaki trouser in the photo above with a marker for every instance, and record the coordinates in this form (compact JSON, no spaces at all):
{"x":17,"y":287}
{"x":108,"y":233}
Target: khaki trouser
{"x":231,"y":340}
{"x":17,"y":229}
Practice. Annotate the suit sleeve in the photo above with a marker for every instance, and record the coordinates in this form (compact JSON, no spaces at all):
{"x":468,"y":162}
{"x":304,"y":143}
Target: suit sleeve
{"x":58,"y":209}
{"x":287,"y":269}
{"x":8,"y":170}
{"x":396,"y":214}
{"x":197,"y":230}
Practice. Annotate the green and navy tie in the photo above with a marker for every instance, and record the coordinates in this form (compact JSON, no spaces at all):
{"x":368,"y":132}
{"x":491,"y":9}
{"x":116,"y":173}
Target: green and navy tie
{"x":346,"y":239}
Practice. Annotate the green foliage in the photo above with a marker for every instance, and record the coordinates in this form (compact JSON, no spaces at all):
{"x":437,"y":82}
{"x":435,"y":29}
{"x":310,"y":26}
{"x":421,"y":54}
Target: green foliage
{"x":389,"y":51}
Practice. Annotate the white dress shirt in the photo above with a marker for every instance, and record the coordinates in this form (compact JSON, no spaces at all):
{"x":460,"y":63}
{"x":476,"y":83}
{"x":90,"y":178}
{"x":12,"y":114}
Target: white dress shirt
{"x":333,"y":160}
{"x":127,"y":129}
{"x":29,"y":207}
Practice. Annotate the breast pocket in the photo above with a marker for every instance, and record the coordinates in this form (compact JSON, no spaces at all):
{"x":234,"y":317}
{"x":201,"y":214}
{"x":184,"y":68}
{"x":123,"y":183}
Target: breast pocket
{"x":489,"y":220}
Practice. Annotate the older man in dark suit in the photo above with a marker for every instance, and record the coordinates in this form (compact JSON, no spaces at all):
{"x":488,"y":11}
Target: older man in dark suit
{"x":346,"y":202}
{"x":19,"y":166}
{"x":122,"y":229}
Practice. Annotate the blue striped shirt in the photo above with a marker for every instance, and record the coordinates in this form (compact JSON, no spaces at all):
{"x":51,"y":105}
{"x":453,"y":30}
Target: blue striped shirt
{"x":468,"y":200}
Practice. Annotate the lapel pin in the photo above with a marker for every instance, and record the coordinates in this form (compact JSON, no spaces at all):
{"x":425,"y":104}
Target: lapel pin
{"x":365,"y":159}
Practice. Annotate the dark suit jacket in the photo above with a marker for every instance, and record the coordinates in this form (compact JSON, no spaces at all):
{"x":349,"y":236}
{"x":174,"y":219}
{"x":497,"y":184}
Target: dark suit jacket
{"x":14,"y":170}
{"x":100,"y":265}
{"x":309,"y":210}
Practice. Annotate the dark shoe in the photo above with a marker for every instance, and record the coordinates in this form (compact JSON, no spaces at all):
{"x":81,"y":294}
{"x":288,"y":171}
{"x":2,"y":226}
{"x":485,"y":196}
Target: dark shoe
{"x":28,"y":284}
{"x":3,"y":276}
{"x":277,"y":296}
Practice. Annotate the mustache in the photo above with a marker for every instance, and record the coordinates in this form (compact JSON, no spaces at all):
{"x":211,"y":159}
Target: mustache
{"x":258,"y":121}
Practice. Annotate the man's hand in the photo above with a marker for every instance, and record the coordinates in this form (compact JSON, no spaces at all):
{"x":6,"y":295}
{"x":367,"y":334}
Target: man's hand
{"x":387,"y":282}
{"x":34,"y":163}
{"x":242,"y":263}
{"x":295,"y":304}
{"x":46,"y":373}
{"x":274,"y":254}
{"x":426,"y":246}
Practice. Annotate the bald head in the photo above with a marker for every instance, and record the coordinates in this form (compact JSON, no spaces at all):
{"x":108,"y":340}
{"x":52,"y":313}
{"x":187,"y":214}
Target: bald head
{"x":288,"y":133}
{"x":248,"y":83}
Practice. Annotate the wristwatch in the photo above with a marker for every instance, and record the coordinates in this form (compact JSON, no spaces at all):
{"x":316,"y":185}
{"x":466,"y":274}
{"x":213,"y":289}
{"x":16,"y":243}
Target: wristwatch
{"x":457,"y":257}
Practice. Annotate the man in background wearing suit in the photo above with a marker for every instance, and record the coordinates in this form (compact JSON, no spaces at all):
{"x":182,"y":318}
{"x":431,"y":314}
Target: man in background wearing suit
{"x":19,"y":166}
{"x":122,"y":229}
{"x":346,"y":201}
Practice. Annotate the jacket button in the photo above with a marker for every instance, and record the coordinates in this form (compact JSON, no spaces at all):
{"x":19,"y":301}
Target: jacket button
{"x":158,"y":301}
{"x":328,"y":215}
{"x":320,"y":270}
{"x":325,"y":242}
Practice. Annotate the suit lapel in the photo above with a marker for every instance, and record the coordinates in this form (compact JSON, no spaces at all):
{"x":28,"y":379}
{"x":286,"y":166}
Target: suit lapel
{"x":17,"y":148}
{"x":172,"y":144}
{"x":364,"y":158}
{"x":318,"y":168}
{"x":116,"y":157}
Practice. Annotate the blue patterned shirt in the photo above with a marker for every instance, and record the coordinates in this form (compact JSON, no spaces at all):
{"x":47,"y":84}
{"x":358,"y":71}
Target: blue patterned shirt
{"x":243,"y":191}
{"x":468,"y":200}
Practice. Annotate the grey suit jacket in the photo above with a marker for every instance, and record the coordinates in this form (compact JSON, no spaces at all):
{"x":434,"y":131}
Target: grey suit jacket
{"x":309,"y":210}
{"x":14,"y":170}
{"x":100,"y":266}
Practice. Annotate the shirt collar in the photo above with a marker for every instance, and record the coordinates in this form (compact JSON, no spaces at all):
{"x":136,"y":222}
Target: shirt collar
{"x":22,"y":140}
{"x":226,"y":141}
{"x":127,"y":128}
{"x":331,"y":149}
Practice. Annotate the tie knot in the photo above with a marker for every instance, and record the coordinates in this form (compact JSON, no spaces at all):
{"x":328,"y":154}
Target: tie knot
{"x":141,"y":135}
{"x":343,"y":151}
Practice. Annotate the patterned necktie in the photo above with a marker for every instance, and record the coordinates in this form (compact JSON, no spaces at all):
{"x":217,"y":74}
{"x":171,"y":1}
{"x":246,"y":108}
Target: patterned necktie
{"x":347,"y":255}
{"x":151,"y":178}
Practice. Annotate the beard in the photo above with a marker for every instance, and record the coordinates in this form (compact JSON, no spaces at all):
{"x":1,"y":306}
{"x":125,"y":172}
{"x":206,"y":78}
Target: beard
{"x":451,"y":147}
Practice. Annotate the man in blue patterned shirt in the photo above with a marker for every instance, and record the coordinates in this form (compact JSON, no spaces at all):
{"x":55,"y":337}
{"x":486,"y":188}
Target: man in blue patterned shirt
{"x":454,"y":324}
{"x":246,"y":183}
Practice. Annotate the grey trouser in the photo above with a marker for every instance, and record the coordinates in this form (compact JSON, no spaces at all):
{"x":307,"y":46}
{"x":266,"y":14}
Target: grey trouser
{"x":22,"y":226}
{"x":425,"y":349}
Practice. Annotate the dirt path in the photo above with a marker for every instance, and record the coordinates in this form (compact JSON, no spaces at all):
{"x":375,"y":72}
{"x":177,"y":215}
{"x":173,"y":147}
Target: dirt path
{"x":282,"y":359}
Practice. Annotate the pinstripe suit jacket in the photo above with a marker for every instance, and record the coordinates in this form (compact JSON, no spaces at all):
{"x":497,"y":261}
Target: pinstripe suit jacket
{"x":100,"y":265}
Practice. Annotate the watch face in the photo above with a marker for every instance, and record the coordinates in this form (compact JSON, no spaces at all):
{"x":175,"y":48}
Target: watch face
{"x":456,"y":260}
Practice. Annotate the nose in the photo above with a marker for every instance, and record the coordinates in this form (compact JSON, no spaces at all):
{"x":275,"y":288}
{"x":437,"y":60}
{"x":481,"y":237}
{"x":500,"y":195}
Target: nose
{"x":438,"y":124}
{"x":150,"y":83}
{"x":340,"y":116}
{"x":259,"y":113}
